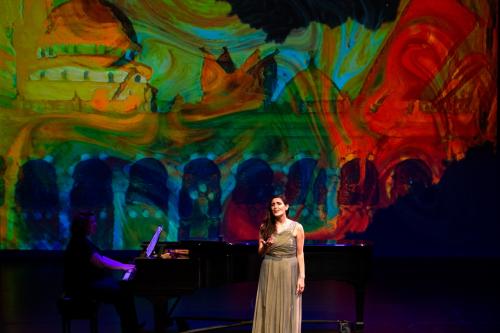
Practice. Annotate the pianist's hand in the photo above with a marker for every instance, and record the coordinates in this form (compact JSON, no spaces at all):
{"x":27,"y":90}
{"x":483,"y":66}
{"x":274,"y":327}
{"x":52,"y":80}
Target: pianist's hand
{"x":128,"y":267}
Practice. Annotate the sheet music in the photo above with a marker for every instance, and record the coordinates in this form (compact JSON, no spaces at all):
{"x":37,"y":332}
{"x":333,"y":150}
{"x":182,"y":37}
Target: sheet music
{"x":153,"y":242}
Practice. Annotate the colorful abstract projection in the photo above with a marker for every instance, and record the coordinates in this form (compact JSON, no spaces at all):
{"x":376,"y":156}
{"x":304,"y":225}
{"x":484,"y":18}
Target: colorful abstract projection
{"x":191,"y":114}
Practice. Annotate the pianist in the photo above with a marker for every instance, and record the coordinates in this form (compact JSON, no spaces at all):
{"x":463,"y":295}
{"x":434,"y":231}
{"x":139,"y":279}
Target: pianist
{"x":87,"y":273}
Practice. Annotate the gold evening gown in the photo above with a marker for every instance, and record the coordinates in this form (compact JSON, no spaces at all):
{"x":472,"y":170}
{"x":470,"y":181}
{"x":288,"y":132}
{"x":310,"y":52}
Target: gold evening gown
{"x":278,"y":309}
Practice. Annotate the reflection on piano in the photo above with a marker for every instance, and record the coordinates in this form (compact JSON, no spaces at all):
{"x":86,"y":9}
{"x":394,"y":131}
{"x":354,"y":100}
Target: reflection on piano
{"x":209,"y":264}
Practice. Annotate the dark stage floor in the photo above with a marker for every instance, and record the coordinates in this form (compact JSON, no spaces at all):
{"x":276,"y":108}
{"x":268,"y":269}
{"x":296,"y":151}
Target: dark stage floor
{"x":404,"y":295}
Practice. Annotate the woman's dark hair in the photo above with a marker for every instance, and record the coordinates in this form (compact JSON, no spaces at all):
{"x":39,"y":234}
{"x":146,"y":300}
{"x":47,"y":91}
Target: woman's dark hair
{"x":80,"y":222}
{"x":269,"y":225}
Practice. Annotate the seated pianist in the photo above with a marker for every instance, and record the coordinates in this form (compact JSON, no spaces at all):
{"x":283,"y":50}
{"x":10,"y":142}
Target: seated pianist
{"x":88,"y":273}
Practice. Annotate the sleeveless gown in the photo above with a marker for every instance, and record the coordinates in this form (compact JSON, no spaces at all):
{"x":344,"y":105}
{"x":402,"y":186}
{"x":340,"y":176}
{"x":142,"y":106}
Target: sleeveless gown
{"x":278,"y":309}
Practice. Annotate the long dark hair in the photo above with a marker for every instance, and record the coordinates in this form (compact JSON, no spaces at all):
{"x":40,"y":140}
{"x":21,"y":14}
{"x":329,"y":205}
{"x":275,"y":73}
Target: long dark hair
{"x":268,"y":226}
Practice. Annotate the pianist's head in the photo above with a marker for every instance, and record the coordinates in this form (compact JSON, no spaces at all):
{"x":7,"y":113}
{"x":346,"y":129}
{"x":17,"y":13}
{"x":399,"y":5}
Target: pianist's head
{"x":83,"y":224}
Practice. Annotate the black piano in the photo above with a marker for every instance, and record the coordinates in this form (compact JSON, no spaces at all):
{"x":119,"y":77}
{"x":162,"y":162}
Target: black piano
{"x":180,"y":268}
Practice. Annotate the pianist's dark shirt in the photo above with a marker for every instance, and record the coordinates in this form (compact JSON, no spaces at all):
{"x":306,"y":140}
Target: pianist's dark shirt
{"x":79,"y":273}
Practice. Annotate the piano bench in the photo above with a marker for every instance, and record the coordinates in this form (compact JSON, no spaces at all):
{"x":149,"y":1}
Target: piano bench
{"x":77,"y":309}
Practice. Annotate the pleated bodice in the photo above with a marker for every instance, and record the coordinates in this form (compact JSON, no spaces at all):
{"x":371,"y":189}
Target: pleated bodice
{"x":285,"y":244}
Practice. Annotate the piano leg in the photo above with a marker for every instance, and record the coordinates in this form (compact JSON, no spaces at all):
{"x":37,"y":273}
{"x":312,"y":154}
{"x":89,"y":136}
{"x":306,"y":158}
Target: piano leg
{"x":162,"y":311}
{"x":182,"y":324}
{"x":360,"y":307}
{"x":159,"y":305}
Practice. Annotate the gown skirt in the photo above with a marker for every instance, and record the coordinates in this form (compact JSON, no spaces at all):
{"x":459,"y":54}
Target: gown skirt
{"x":278,"y":309}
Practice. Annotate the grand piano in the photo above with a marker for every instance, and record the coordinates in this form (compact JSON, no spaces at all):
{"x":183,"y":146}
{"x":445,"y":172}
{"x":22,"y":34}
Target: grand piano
{"x":180,"y":268}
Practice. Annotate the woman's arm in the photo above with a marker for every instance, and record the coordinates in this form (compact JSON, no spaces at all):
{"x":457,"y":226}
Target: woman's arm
{"x":300,"y":259}
{"x":262,"y":246}
{"x":105,"y":262}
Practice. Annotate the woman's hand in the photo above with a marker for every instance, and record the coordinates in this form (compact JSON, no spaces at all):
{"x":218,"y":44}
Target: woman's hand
{"x":300,"y":285}
{"x":269,"y":241}
{"x":264,"y":245}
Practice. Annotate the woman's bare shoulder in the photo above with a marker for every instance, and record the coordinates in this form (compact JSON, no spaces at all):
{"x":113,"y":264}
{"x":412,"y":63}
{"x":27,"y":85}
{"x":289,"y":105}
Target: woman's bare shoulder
{"x":297,"y":225}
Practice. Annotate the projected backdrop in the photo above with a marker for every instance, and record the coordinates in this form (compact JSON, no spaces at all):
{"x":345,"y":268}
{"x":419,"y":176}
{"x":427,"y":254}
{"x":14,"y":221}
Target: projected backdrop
{"x":191,"y":114}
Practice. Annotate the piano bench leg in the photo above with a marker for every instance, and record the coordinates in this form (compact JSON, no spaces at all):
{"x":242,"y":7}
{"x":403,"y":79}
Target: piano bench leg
{"x":66,"y":325}
{"x":70,"y":309}
{"x":93,"y":324}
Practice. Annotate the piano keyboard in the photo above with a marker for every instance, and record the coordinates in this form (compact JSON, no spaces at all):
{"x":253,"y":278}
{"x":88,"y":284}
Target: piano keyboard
{"x":128,"y":275}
